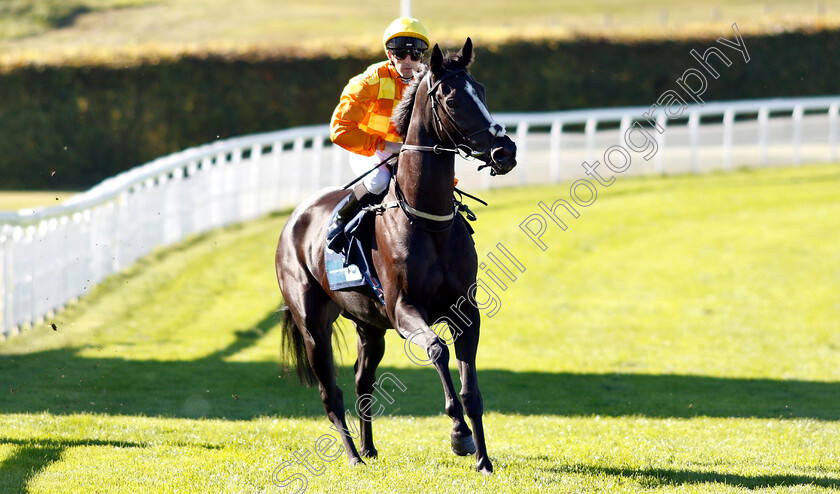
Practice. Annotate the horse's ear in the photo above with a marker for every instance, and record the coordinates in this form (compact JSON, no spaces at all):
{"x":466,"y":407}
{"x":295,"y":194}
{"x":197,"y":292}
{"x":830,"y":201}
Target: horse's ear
{"x":466,"y":53}
{"x":436,"y":60}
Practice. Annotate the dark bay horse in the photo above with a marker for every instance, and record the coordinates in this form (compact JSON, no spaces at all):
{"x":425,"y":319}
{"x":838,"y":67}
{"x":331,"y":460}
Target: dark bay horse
{"x":424,"y":256}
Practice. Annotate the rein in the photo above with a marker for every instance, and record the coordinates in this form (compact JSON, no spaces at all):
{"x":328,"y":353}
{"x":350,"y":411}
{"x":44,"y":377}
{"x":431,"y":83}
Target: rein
{"x":365,"y":174}
{"x":467,"y":151}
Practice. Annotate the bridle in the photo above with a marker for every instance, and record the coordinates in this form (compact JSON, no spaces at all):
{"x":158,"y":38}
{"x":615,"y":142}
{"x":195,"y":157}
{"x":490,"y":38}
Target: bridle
{"x":460,"y":147}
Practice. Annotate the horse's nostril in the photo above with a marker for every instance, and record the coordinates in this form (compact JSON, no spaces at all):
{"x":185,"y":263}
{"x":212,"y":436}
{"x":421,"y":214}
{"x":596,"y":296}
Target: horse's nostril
{"x":498,"y":154}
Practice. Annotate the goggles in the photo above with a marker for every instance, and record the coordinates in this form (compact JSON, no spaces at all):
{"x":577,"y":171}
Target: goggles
{"x":401,"y":53}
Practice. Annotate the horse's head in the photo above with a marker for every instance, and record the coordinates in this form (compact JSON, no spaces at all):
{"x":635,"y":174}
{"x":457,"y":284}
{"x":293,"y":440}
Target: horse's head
{"x":460,"y":112}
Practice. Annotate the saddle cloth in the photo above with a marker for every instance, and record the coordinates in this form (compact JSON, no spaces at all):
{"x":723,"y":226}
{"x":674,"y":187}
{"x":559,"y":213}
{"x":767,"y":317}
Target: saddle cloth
{"x":353,"y":266}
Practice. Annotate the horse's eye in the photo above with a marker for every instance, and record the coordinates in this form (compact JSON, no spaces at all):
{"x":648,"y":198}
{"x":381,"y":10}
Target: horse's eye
{"x":451,"y":104}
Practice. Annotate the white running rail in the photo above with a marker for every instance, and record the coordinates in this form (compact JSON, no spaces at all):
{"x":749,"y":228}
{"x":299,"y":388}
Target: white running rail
{"x":53,"y":255}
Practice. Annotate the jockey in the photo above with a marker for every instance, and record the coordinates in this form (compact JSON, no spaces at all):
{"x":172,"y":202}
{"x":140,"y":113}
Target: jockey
{"x":361,"y":123}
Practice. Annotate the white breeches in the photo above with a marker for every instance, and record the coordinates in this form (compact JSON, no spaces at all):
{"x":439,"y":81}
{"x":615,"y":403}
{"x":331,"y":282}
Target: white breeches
{"x":376,"y":182}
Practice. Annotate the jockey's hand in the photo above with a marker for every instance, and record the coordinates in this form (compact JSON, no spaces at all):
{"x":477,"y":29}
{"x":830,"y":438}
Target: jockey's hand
{"x":393,"y":147}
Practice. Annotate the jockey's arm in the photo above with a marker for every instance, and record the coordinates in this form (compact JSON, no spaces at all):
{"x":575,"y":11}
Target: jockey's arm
{"x":352,"y":107}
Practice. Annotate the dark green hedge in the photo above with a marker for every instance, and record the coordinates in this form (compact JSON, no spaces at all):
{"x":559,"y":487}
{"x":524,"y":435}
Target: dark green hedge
{"x":88,"y":123}
{"x":556,"y":75}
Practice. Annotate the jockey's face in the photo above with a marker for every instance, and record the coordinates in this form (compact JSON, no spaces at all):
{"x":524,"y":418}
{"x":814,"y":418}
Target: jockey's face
{"x":405,"y":66}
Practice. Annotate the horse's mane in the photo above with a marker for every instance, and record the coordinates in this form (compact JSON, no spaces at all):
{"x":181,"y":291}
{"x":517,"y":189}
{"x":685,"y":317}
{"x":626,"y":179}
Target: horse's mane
{"x":402,"y":113}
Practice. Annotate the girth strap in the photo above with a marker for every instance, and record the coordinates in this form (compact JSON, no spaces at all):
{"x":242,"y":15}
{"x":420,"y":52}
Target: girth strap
{"x":415,"y":212}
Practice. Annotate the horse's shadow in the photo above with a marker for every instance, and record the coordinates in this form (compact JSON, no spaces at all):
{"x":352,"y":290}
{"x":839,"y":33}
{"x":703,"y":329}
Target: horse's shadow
{"x":64,"y":382}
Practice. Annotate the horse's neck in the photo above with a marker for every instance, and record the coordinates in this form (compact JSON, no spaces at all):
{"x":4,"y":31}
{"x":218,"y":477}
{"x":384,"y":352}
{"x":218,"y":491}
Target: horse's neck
{"x":426,"y":178}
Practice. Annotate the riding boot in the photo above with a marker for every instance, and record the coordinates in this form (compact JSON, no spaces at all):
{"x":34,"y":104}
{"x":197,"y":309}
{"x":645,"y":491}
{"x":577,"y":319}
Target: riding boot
{"x":346,"y":212}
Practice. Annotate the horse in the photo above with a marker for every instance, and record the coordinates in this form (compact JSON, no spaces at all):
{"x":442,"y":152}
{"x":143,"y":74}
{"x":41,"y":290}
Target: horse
{"x":424,"y":256}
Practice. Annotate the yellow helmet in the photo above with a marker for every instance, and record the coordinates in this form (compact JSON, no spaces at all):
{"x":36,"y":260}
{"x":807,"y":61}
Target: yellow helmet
{"x":406,"y":32}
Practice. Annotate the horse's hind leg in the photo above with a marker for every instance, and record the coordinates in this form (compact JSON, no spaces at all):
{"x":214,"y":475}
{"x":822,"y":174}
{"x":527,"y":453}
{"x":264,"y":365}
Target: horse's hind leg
{"x":371,"y":348}
{"x":315,"y":318}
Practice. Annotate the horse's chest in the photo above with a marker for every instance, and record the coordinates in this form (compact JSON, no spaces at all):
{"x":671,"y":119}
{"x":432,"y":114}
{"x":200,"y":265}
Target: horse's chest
{"x":436,"y":266}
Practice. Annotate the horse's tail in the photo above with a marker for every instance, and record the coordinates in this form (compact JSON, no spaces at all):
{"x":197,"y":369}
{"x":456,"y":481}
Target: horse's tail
{"x":294,"y":349}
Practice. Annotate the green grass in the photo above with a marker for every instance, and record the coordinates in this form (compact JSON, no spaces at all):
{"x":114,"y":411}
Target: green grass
{"x":12,"y":200}
{"x":683,"y":335}
{"x":55,"y":31}
{"x":21,"y":18}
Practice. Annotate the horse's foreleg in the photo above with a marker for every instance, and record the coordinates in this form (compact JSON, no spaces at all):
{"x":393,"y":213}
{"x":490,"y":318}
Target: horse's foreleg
{"x":371,"y":348}
{"x":413,"y":327}
{"x":466,"y":345}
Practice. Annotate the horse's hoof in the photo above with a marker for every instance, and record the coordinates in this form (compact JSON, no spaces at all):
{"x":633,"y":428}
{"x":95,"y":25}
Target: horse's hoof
{"x":463,"y":446}
{"x":356,"y":461}
{"x":370,"y":453}
{"x":484,"y":467}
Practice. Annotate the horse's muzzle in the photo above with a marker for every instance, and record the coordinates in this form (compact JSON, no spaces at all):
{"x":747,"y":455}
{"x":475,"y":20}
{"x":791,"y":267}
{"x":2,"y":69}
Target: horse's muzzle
{"x":503,"y":157}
